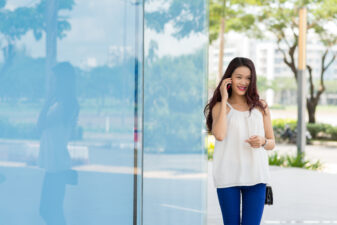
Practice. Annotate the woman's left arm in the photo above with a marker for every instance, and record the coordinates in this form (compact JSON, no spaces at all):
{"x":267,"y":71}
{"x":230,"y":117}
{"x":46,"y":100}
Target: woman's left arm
{"x":268,"y":128}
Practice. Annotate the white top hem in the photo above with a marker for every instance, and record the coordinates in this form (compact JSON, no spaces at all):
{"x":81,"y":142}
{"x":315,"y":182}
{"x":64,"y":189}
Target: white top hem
{"x":240,"y":184}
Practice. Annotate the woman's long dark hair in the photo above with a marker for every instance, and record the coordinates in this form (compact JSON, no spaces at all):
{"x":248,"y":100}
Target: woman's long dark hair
{"x":62,"y":91}
{"x":252,"y":96}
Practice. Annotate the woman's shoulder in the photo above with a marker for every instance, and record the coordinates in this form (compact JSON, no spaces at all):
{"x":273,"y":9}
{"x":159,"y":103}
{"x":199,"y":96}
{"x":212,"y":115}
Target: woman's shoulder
{"x":217,"y":106}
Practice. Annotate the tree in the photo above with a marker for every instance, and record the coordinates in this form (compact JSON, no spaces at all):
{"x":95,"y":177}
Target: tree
{"x":13,"y":25}
{"x":281,"y":19}
{"x":188,"y":17}
{"x":225,"y":16}
{"x":16,"y":23}
{"x":153,"y":47}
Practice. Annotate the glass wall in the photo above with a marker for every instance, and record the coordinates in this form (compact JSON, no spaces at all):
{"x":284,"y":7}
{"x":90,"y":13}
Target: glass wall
{"x":78,"y":79}
{"x":175,"y":81}
{"x":70,"y":100}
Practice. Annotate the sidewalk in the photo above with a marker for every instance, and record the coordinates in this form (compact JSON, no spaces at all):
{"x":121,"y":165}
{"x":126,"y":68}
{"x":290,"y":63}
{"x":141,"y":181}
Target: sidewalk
{"x":300,"y":196}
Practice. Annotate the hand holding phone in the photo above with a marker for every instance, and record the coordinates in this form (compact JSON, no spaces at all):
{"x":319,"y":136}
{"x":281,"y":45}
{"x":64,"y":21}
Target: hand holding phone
{"x":225,"y":86}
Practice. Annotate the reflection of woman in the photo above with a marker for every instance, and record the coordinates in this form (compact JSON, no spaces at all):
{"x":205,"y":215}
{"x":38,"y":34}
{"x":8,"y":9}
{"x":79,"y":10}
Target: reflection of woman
{"x":56,"y":122}
{"x":241,"y":124}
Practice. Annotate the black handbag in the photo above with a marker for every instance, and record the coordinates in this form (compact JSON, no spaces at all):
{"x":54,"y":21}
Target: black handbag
{"x":269,"y":195}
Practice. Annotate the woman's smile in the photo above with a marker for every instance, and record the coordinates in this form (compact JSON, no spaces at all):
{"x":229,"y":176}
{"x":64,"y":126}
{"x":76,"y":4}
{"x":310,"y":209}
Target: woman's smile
{"x":242,"y":88}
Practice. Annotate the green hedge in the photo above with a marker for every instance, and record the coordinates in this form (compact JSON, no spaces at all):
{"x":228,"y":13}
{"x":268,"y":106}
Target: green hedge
{"x":317,"y":130}
{"x":28,"y":131}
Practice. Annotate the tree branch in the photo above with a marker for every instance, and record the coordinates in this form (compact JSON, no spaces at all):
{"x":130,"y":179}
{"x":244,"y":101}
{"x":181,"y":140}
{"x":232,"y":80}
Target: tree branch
{"x":323,"y":68}
{"x":284,"y":54}
{"x":329,"y":63}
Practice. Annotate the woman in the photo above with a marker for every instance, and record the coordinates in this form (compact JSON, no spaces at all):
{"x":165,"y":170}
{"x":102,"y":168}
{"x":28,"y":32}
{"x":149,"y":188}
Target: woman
{"x":241,"y":124}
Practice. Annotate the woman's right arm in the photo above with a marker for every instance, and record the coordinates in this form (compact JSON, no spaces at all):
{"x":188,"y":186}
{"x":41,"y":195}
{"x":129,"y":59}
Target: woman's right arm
{"x":219,"y":115}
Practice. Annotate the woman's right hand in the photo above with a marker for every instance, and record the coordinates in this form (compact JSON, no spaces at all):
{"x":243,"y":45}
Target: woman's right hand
{"x":223,"y":88}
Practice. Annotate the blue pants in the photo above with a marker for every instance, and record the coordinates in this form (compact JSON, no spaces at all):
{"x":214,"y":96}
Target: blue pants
{"x":253,"y":198}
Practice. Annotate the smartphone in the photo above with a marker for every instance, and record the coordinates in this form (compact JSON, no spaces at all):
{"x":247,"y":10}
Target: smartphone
{"x":229,"y":86}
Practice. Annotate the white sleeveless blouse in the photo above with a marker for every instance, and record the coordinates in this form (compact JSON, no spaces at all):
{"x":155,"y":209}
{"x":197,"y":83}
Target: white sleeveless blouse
{"x":235,"y":163}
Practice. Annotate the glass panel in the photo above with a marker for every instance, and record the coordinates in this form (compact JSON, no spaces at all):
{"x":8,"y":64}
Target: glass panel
{"x":175,"y":78}
{"x":71,"y":111}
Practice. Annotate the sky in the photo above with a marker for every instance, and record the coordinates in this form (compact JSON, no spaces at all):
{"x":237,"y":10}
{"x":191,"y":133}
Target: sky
{"x":97,"y":27}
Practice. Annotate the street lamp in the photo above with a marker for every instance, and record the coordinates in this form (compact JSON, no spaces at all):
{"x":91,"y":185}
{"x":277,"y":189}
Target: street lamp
{"x":301,"y":82}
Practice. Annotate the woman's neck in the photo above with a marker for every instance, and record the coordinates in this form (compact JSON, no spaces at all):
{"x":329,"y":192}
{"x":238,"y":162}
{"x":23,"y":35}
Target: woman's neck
{"x":238,"y":99}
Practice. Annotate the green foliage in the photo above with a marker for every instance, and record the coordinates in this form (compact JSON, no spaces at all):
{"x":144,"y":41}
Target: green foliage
{"x":280,"y":123}
{"x":186,"y":17}
{"x":26,"y":79}
{"x":28,"y":131}
{"x":281,"y":19}
{"x":189,"y":17}
{"x":277,"y":106}
{"x":318,"y":165}
{"x":21,"y":131}
{"x":210,"y":141}
{"x":276,"y":159}
{"x":317,"y":130}
{"x":283,"y":15}
{"x":262,"y":83}
{"x":14,"y":24}
{"x":298,"y":161}
{"x":236,"y":14}
{"x":330,"y":85}
{"x":333,"y":132}
{"x":174,"y":102}
{"x":210,"y":150}
{"x":283,"y":83}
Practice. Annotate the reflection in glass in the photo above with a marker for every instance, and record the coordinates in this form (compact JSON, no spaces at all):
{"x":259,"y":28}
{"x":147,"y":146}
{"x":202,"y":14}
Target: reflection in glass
{"x":79,"y":166}
{"x":83,"y":166}
{"x":175,"y":178}
{"x":56,"y":123}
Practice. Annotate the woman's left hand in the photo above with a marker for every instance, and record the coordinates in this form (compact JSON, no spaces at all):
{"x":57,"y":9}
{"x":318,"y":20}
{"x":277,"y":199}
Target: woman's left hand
{"x":256,"y":141}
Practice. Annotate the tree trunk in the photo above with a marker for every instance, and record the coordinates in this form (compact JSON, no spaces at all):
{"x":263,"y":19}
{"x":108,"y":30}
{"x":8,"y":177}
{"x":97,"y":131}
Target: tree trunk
{"x":311,"y":107}
{"x":9,"y":53}
{"x":313,"y":98}
{"x":51,"y":40}
{"x":221,"y":48}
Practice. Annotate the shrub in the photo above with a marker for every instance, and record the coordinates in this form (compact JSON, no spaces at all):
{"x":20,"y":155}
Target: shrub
{"x":294,"y":161}
{"x":277,"y":106}
{"x":210,"y":146}
{"x":332,"y":131}
{"x":297,"y":161}
{"x":29,"y":131}
{"x":276,"y":159}
{"x":280,"y":123}
{"x":316,"y":130}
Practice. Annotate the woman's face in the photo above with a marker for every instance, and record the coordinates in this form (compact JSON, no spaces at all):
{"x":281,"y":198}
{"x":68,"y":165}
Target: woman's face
{"x":241,"y":79}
